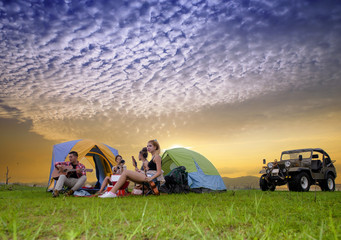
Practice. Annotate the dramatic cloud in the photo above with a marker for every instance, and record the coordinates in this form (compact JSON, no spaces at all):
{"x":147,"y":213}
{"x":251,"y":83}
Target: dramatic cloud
{"x":129,"y":60}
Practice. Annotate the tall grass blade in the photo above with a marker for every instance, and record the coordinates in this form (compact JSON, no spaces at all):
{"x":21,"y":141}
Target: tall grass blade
{"x":209,"y":214}
{"x":36,"y":234}
{"x":199,"y":230}
{"x":332,"y":225}
{"x":321,"y":230}
{"x":14,"y":229}
{"x":257,"y":202}
{"x":141,"y":222}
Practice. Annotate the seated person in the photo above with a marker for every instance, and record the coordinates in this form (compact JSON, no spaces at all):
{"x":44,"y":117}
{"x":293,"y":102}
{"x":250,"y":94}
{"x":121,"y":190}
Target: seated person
{"x":118,"y":169}
{"x":74,"y":179}
{"x":154,"y":172}
{"x":143,"y":154}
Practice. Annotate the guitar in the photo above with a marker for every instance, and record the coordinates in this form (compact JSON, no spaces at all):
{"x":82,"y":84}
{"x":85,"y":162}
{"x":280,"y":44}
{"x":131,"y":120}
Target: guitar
{"x":65,"y":171}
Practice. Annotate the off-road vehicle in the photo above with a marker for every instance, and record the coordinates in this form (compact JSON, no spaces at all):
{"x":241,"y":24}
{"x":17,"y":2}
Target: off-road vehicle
{"x":299,"y":169}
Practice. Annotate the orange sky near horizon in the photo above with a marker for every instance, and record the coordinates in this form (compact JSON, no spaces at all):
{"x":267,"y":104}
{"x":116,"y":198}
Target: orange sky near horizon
{"x":234,"y":153}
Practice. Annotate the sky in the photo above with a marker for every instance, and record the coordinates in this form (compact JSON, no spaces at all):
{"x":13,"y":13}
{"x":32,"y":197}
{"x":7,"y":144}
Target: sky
{"x":237,"y":81}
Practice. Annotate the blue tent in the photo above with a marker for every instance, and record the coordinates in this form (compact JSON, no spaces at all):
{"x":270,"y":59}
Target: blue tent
{"x":201,"y":172}
{"x":100,"y":156}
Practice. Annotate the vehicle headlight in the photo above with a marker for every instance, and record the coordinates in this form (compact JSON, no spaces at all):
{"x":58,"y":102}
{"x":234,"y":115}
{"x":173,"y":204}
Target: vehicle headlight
{"x":287,"y":164}
{"x":270,"y":165}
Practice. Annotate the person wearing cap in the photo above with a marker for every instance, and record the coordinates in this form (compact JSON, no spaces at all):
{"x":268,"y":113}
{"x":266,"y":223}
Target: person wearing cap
{"x":75,"y":179}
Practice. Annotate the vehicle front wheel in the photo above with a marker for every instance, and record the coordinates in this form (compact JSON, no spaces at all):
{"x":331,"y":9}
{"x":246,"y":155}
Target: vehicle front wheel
{"x":328,"y":184}
{"x":302,"y":182}
{"x":292,"y":186}
{"x":265,"y":185}
{"x":272,"y":188}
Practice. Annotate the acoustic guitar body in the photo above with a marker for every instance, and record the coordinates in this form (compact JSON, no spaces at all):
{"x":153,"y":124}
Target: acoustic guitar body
{"x":65,"y":171}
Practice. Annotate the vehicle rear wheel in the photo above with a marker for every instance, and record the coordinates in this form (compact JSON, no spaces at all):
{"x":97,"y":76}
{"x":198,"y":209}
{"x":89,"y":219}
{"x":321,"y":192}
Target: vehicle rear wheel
{"x":328,"y":184}
{"x":302,"y":182}
{"x":265,"y":185}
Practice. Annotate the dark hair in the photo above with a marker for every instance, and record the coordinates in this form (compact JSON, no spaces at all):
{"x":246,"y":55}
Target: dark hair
{"x":74,"y":153}
{"x":117,"y":157}
{"x":144,"y":152}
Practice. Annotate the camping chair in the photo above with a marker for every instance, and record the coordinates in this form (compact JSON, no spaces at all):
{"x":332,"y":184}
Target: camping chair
{"x":122,"y":190}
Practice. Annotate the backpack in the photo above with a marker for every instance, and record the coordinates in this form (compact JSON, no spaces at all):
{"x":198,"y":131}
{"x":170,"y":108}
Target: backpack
{"x":176,"y":181}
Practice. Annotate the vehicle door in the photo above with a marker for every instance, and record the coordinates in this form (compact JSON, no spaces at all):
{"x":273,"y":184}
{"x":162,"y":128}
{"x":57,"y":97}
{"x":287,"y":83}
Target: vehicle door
{"x":317,"y":169}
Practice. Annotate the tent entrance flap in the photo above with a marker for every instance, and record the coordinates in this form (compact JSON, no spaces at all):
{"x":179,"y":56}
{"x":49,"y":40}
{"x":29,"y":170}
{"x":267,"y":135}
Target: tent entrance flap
{"x":200,"y":180}
{"x":102,"y":167}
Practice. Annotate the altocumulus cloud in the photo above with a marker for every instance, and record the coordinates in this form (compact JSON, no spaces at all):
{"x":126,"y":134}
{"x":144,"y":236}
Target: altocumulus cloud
{"x":77,"y":59}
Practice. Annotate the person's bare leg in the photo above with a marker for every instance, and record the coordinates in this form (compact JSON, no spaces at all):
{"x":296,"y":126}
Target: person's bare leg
{"x":104,"y":184}
{"x":128,"y":175}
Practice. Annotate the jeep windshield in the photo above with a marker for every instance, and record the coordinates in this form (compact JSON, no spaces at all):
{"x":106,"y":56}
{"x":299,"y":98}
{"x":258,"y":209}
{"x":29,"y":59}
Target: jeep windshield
{"x":295,"y":155}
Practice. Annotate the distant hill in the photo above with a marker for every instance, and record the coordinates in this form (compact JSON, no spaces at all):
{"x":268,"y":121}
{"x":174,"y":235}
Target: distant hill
{"x":246,"y":182}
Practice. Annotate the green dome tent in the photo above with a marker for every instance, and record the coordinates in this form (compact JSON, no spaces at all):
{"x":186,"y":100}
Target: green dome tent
{"x":201,"y":172}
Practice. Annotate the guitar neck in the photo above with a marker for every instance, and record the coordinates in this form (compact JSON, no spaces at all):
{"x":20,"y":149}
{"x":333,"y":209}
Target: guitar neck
{"x":57,"y":172}
{"x":86,"y":170}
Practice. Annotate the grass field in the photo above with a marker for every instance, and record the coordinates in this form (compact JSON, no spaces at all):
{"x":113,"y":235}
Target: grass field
{"x":31,"y":213}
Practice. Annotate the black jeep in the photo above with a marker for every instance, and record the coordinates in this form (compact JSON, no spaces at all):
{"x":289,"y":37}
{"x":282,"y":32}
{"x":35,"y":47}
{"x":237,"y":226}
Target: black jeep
{"x":300,"y":169}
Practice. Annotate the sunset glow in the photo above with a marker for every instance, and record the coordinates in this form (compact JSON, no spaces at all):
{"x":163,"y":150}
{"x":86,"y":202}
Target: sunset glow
{"x":237,"y":81}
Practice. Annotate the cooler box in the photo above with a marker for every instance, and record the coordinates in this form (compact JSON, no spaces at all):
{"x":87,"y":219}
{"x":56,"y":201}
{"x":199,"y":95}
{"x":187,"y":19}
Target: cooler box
{"x":114,"y":179}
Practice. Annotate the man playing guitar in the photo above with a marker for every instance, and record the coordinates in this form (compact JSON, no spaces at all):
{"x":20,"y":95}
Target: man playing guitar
{"x":74,"y":179}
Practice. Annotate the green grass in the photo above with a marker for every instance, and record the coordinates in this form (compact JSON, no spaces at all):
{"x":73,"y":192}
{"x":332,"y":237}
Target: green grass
{"x":31,"y":213}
